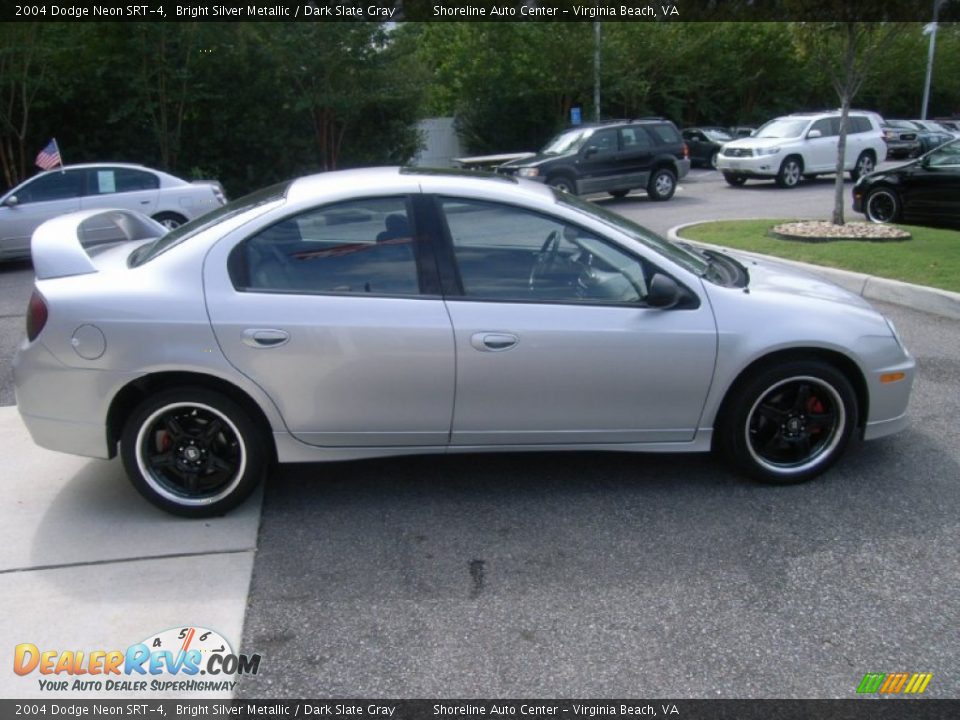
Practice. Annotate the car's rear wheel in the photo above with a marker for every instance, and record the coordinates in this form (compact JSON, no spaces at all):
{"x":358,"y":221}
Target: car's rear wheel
{"x":193,"y":452}
{"x":170,"y":220}
{"x":790,"y":173}
{"x":789,"y":423}
{"x":734,"y":180}
{"x":882,"y":205}
{"x":713,"y":160}
{"x":662,"y":184}
{"x":865,"y":165}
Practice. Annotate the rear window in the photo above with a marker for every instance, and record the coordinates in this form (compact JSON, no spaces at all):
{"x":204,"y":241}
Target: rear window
{"x":146,"y":253}
{"x":666,"y":132}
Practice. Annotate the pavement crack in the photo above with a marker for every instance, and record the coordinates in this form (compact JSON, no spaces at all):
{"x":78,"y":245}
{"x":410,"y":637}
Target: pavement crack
{"x":119,"y":561}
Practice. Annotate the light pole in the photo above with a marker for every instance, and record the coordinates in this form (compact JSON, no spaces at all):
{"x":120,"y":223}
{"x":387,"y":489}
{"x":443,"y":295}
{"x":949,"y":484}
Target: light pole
{"x":930,"y":29}
{"x":596,"y":69}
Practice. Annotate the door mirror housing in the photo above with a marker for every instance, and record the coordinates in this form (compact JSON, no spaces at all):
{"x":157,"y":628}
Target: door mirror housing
{"x":664,"y":292}
{"x":11,"y":201}
{"x":814,"y":134}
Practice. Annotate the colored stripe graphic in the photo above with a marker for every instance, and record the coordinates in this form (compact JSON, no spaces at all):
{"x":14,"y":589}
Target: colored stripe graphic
{"x":918,"y":683}
{"x":894,"y":683}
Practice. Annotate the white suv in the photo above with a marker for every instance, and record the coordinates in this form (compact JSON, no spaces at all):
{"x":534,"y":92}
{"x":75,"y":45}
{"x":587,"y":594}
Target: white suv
{"x":803,"y":145}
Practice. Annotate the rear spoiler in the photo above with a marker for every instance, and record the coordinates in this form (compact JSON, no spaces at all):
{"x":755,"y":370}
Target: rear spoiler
{"x":57,"y":246}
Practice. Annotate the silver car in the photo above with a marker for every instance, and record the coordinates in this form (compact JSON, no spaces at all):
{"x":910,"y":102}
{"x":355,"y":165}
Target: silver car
{"x":167,"y":199}
{"x":385,"y":312}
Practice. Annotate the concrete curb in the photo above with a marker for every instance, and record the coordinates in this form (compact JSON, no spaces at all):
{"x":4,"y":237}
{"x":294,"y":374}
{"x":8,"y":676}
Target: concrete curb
{"x":915,"y":297}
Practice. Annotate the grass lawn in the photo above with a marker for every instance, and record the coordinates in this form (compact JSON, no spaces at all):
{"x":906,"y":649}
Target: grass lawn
{"x":931,"y":257}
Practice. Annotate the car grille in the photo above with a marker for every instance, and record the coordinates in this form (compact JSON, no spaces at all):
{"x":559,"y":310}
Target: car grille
{"x":737,"y":152}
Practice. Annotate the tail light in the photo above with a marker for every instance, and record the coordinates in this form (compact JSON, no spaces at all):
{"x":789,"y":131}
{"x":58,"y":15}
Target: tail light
{"x":36,"y":315}
{"x":686,"y":152}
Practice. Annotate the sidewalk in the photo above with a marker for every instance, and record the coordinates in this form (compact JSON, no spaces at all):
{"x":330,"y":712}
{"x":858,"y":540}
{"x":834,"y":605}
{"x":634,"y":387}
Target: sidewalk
{"x":915,"y":297}
{"x":86,"y":564}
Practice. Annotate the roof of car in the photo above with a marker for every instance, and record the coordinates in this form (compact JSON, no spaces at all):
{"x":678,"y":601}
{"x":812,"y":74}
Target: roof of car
{"x":81,"y":166}
{"x":391,"y":180}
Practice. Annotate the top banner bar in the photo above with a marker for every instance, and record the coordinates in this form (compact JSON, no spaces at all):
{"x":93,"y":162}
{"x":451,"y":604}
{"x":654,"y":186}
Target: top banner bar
{"x":483,"y":10}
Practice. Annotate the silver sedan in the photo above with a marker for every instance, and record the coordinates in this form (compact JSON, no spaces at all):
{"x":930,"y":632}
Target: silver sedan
{"x":385,"y":312}
{"x":167,"y":199}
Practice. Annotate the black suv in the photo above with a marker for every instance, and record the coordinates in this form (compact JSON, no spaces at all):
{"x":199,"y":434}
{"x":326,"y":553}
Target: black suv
{"x":613,"y":157}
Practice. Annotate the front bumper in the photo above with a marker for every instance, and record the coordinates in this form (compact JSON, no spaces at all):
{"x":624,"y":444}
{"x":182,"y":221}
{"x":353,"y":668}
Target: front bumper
{"x":762,"y":166}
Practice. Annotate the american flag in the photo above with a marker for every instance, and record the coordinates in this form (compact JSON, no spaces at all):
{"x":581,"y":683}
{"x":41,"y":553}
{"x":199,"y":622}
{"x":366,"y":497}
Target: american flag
{"x":49,"y":157}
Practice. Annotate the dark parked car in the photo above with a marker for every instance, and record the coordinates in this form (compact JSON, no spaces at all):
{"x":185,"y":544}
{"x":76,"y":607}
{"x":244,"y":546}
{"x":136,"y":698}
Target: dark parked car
{"x":614,"y":157}
{"x":902,"y":138}
{"x":705,"y":144}
{"x":923,"y":192}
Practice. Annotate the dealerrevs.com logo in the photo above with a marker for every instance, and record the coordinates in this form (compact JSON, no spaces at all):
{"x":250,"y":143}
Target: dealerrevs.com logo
{"x":175,"y":660}
{"x":894,"y":683}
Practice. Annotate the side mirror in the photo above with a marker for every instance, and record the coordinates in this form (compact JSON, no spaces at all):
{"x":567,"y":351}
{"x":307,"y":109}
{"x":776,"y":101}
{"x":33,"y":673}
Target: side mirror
{"x":814,"y":134}
{"x":664,"y":292}
{"x":590,"y":150}
{"x":11,"y":201}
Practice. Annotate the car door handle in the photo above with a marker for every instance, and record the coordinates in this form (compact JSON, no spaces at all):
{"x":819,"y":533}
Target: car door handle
{"x":493,"y":342}
{"x":264,"y":338}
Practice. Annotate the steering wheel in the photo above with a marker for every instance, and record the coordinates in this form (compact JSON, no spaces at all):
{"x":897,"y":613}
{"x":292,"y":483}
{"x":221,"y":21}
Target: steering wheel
{"x":546,"y":259}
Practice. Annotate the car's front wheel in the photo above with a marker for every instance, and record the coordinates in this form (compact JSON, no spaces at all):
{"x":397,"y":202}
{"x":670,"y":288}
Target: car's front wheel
{"x":790,"y":173}
{"x":662,"y":185}
{"x":790,"y":422}
{"x":882,"y":205}
{"x":193,"y":452}
{"x":564,"y":183}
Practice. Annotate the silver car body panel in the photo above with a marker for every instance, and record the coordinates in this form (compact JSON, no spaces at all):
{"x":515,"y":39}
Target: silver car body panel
{"x":366,"y":376}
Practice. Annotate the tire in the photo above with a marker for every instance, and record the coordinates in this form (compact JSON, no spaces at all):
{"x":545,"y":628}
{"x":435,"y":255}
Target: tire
{"x":882,"y":205}
{"x":791,"y":170}
{"x":564,"y":183}
{"x":619,"y":193}
{"x":170,"y":220}
{"x":790,"y":422}
{"x":662,"y":184}
{"x":712,"y":162}
{"x":865,"y":165}
{"x":734,"y":180}
{"x":193,"y":452}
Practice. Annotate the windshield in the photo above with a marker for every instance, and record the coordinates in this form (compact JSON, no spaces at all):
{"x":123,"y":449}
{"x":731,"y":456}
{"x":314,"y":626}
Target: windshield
{"x":148,"y":252}
{"x":782,"y":128}
{"x":718,"y":135}
{"x":684,"y":258}
{"x":569,"y":141}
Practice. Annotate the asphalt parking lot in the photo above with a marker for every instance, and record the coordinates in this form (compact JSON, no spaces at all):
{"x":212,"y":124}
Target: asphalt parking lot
{"x":601,"y":575}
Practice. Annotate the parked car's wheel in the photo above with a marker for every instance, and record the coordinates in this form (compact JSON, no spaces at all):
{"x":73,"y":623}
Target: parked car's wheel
{"x":170,"y":220}
{"x":733,"y":179}
{"x":564,"y":183}
{"x":865,"y":165}
{"x":193,"y":452}
{"x":882,"y":205}
{"x":789,"y":423}
{"x":713,"y":160}
{"x":662,"y":184}
{"x":619,"y":193}
{"x":790,"y":173}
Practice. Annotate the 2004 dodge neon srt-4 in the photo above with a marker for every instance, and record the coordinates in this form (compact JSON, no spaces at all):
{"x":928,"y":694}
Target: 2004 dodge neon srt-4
{"x":394,"y":311}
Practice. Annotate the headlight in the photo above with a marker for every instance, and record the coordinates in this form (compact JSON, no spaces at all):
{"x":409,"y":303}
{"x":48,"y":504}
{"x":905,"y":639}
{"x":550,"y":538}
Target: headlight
{"x":529,"y":172}
{"x":766,"y":151}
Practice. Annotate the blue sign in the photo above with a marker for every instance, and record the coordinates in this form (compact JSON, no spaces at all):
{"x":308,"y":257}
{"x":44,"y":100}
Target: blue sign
{"x":575,"y":118}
